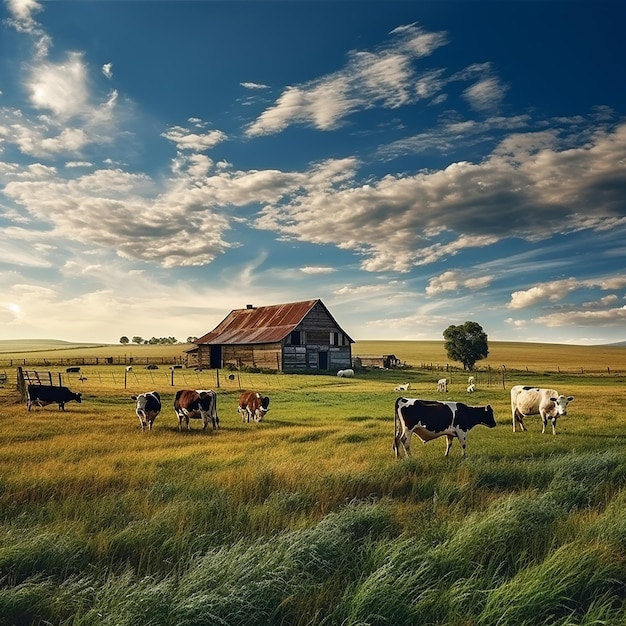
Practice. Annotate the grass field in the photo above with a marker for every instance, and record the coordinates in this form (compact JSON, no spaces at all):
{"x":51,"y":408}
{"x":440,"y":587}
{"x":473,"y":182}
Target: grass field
{"x":307,"y":518}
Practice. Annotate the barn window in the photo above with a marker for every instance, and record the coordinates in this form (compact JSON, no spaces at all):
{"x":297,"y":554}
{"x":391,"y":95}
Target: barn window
{"x":295,"y":338}
{"x":336,"y":339}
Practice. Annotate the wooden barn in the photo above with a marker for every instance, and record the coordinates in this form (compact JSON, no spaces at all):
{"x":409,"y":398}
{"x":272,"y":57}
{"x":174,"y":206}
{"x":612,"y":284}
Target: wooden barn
{"x":293,"y":337}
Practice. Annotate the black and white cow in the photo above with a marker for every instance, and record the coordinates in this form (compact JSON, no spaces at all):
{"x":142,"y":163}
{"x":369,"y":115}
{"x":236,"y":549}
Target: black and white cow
{"x":147,"y":409}
{"x":430,"y":419}
{"x":42,"y":395}
{"x":547,"y":403}
{"x":196,"y":404}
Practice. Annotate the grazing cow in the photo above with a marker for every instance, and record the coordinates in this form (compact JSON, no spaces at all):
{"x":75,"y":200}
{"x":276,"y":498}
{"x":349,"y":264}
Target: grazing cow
{"x":345,"y":373}
{"x":429,"y":420}
{"x":72,"y":370}
{"x":42,"y":395}
{"x":148,"y":407}
{"x":547,"y":403}
{"x":442,"y":385}
{"x":253,"y":405}
{"x":198,"y":404}
{"x":404,"y":387}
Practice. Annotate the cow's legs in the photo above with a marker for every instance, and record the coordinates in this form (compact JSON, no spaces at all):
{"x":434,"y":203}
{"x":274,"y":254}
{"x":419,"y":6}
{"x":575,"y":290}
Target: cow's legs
{"x":518,"y":418}
{"x":449,"y":440}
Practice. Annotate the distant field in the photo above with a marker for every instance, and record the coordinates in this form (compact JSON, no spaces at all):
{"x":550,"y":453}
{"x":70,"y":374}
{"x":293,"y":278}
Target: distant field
{"x":513,"y":355}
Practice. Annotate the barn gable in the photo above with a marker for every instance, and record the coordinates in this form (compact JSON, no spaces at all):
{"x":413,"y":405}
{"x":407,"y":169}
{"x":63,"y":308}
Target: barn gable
{"x":296,"y":336}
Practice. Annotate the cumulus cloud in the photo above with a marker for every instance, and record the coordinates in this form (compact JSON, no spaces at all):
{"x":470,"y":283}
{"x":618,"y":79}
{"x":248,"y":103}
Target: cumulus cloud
{"x":399,"y":222}
{"x":107,"y":70}
{"x":384,"y":78}
{"x":557,"y":290}
{"x":185,"y":139}
{"x":454,"y":280}
{"x":607,"y":317}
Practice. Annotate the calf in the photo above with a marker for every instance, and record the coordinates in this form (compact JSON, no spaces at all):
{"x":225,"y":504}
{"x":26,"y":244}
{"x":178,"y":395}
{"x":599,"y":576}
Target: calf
{"x":430,"y":419}
{"x":253,"y":405}
{"x":42,"y":395}
{"x":345,"y":373}
{"x":404,"y":387}
{"x":547,"y":403}
{"x":147,"y":409}
{"x":198,"y":404}
{"x":442,"y":385}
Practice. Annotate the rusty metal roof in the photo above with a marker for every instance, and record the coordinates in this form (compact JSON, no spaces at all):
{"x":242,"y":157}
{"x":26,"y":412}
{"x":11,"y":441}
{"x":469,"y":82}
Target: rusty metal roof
{"x":265,"y":324}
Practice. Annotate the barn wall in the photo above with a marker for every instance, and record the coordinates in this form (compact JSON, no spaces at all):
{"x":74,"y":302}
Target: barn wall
{"x":264,"y":356}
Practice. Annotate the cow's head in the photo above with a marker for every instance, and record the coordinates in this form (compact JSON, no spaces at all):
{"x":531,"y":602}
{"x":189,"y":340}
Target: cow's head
{"x":489,"y":419}
{"x":560,"y":404}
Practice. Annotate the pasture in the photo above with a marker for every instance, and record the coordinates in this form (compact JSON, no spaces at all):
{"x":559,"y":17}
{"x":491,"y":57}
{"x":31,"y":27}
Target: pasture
{"x":307,"y":518}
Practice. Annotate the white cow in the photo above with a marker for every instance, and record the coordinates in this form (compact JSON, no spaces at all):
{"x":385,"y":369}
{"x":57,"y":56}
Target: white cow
{"x":547,"y":403}
{"x":404,"y":387}
{"x":442,"y":385}
{"x":471,"y":387}
{"x":345,"y":373}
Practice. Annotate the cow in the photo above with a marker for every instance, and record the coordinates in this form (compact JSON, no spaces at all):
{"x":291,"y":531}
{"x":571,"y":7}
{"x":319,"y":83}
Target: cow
{"x":72,"y":370}
{"x":442,"y":385}
{"x":404,"y":387}
{"x":471,"y":387}
{"x":547,"y":403}
{"x":430,"y":419}
{"x":345,"y":373}
{"x":129,"y":368}
{"x":253,"y":405}
{"x":42,"y":395}
{"x":196,"y":404}
{"x":147,"y":409}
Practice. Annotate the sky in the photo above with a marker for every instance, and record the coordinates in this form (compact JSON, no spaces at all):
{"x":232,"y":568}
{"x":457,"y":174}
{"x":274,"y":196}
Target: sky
{"x":413,"y":164}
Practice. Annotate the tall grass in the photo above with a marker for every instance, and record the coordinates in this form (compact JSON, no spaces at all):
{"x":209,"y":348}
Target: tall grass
{"x":307,"y":518}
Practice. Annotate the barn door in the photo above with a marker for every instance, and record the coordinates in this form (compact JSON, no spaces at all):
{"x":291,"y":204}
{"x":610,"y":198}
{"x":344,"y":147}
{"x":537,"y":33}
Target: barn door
{"x":323,"y":360}
{"x":216,"y":357}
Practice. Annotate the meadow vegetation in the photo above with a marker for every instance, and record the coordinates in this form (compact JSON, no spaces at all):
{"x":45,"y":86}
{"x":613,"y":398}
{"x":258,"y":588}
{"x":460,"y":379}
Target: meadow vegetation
{"x":307,"y":518}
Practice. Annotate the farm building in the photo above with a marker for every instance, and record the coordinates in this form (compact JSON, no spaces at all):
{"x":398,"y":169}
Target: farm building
{"x":297,"y":336}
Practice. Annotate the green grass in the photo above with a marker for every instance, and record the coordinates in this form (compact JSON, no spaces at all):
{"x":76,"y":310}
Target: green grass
{"x":307,"y":518}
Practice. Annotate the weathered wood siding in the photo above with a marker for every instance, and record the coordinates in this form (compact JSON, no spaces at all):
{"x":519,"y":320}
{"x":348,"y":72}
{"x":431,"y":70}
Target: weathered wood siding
{"x":263,"y":356}
{"x":316,"y":343}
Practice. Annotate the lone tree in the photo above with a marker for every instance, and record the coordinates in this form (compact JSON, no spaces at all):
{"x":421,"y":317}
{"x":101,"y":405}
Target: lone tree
{"x":466,"y":343}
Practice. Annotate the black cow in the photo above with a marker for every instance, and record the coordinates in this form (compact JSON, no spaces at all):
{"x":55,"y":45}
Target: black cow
{"x":148,"y":407}
{"x":198,"y":404}
{"x":42,"y":395}
{"x":430,"y":420}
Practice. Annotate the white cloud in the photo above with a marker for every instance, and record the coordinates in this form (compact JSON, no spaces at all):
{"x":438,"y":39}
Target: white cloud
{"x":454,"y":280}
{"x":557,"y":290}
{"x":254,"y":85}
{"x":308,"y":269}
{"x":608,"y":317}
{"x":107,"y":70}
{"x":383,"y":78}
{"x":184,"y":139}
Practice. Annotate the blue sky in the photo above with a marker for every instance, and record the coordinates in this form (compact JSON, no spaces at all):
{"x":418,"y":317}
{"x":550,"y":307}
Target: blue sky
{"x":413,"y":164}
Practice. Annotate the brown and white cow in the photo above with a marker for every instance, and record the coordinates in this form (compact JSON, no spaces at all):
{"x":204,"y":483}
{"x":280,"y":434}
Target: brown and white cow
{"x":430,"y":419}
{"x":147,"y":408}
{"x":253,"y":405}
{"x":547,"y":403}
{"x":196,"y":404}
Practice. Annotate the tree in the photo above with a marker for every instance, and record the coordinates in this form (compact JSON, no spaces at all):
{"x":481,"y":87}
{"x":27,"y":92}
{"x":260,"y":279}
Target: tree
{"x":124,"y":339}
{"x":466,"y":343}
{"x":137,"y":339}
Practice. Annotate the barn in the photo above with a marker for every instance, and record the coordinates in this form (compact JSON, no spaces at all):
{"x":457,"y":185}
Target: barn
{"x":292,"y":337}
